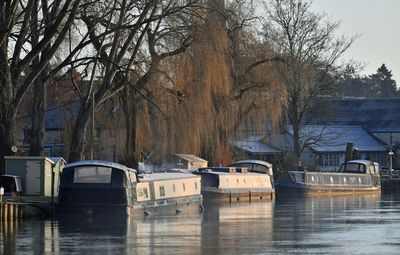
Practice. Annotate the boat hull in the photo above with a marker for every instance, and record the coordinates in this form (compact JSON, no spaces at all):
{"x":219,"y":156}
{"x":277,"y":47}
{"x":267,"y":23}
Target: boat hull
{"x":237,"y":195}
{"x":190,"y":204}
{"x":330,"y":182}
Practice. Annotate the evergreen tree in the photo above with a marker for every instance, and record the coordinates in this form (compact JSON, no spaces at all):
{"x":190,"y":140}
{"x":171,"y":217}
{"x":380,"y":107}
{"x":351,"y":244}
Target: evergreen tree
{"x":382,"y":84}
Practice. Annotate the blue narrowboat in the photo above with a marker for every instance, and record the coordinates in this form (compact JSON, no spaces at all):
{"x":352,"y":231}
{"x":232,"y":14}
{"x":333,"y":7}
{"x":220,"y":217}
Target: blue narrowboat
{"x":96,"y":187}
{"x":353,"y":176}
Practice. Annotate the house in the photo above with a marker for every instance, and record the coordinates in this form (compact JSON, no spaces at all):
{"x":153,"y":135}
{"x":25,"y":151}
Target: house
{"x":327,"y":146}
{"x":109,"y":136}
{"x":372,"y":125}
{"x":259,"y":147}
{"x":379,"y":117}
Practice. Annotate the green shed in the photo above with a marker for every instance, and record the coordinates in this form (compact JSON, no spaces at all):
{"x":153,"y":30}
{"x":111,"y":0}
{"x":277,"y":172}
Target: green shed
{"x":39,"y":175}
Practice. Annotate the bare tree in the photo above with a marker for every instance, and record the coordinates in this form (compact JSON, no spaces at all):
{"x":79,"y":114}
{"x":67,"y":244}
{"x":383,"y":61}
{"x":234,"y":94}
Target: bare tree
{"x":30,"y":34}
{"x":125,"y":36}
{"x":308,"y":43}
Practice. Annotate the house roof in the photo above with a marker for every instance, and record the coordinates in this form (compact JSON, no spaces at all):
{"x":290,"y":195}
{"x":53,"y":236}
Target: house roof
{"x":254,"y":144}
{"x":335,"y":138}
{"x":374,"y":115}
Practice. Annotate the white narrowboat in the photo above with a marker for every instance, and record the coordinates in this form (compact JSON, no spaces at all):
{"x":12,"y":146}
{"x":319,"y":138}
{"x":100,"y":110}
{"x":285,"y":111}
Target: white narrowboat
{"x":234,"y":184}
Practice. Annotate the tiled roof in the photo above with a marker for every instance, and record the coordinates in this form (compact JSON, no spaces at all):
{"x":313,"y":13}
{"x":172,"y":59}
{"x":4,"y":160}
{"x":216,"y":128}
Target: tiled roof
{"x":255,"y":144}
{"x":335,"y":138}
{"x":374,"y":115}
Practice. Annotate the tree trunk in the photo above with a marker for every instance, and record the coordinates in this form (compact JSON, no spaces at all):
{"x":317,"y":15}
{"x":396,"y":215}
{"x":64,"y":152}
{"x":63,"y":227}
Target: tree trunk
{"x":129,"y":107}
{"x":296,"y":143}
{"x":7,"y":109}
{"x":79,"y":135}
{"x":38,"y":118}
{"x":7,"y":133}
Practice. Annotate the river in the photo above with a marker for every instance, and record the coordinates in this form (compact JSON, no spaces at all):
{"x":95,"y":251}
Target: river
{"x":291,"y":224}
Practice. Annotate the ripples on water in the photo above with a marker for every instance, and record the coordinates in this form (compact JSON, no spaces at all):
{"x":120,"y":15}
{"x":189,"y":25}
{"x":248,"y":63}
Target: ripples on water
{"x":356,"y":224}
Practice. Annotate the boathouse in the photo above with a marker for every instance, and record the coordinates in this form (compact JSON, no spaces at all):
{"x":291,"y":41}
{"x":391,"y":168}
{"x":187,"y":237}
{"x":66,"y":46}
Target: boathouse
{"x":189,"y":162}
{"x":39,"y":175}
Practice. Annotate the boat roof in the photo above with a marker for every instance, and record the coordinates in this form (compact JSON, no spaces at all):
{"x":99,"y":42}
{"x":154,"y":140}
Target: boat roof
{"x":165,"y":176}
{"x":361,"y":161}
{"x":232,"y":174}
{"x":190,"y":157}
{"x":254,"y":161}
{"x":99,"y":163}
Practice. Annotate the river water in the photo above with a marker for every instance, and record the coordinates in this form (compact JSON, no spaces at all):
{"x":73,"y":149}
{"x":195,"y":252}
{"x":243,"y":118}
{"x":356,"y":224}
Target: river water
{"x":291,"y":224}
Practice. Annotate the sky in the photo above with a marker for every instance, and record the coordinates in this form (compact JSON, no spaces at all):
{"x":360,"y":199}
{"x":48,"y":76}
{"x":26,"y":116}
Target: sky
{"x":378,"y":24}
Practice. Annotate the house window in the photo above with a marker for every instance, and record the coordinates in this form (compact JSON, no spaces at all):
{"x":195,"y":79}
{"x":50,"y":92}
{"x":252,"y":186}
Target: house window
{"x":379,"y":157}
{"x":330,"y":160}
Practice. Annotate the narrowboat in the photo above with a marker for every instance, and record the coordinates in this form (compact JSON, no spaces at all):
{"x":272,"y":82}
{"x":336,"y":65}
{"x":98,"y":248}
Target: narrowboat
{"x":353,"y":176}
{"x":95,"y":187}
{"x":257,"y":166}
{"x":234,"y":184}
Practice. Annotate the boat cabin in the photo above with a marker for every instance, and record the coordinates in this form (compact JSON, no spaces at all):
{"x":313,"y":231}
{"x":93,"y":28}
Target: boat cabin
{"x":11,"y":184}
{"x":253,"y":165}
{"x":234,"y":183}
{"x":360,"y":167}
{"x":97,"y":182}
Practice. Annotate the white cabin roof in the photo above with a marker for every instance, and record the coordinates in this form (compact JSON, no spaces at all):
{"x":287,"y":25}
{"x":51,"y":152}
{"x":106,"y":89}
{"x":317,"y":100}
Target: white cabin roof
{"x":165,"y":176}
{"x":99,"y":163}
{"x":253,"y":161}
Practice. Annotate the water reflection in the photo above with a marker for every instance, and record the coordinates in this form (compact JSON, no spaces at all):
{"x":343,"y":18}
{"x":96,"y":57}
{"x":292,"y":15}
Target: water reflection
{"x":237,"y":228}
{"x":288,"y":225}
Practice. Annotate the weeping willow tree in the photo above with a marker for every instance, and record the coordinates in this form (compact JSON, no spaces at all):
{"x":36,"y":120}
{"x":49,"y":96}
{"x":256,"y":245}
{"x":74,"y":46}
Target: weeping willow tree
{"x":198,"y":100}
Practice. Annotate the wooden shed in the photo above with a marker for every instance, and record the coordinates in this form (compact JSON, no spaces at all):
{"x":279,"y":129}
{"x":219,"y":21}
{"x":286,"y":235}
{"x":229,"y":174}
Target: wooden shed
{"x":189,"y":162}
{"x":39,"y":175}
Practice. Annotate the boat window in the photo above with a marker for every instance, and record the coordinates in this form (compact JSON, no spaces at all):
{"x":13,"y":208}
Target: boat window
{"x":142,"y":193}
{"x":354,"y":168}
{"x":248,"y":166}
{"x":173,"y":187}
{"x":162,"y":191}
{"x":237,"y":180}
{"x":260,"y":168}
{"x":183,"y":186}
{"x":92,"y":174}
{"x":195,"y":185}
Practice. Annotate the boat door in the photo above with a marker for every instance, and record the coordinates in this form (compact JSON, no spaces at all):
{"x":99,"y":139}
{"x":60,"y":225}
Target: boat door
{"x":32,"y":178}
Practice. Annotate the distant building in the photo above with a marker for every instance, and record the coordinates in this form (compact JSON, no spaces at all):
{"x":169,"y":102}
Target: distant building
{"x":372,"y":125}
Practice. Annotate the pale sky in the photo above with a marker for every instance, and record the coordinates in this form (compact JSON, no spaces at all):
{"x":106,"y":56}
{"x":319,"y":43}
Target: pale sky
{"x":377,"y":22}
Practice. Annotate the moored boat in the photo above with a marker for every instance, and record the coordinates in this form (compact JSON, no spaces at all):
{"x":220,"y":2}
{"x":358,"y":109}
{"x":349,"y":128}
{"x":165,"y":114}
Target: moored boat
{"x":353,"y":176}
{"x":234,"y":184}
{"x":106,"y":188}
